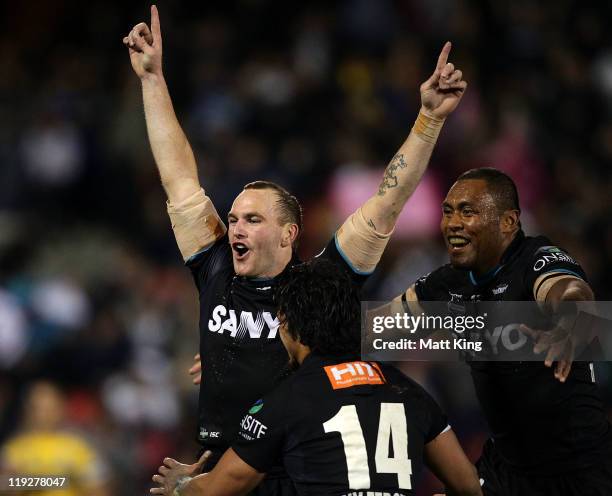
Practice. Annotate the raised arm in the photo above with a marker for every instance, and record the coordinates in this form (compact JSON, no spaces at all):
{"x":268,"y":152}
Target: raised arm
{"x":440,"y":95}
{"x":171,"y":150}
{"x":195,"y":222}
{"x":364,"y":235}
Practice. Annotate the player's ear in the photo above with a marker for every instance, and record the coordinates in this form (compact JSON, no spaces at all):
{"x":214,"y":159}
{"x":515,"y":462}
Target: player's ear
{"x":510,"y":221}
{"x":290,"y":233}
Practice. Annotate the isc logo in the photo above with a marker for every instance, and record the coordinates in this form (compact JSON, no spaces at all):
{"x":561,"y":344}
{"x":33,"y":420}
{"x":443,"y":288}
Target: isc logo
{"x":204,"y":434}
{"x":351,"y":374}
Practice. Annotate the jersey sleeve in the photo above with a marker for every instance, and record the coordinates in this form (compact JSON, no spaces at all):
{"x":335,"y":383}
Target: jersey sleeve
{"x":437,"y":419}
{"x":210,"y":261}
{"x":196,"y":223}
{"x":546,"y":266}
{"x":334,"y":253}
{"x":426,"y":412}
{"x":261,"y":434}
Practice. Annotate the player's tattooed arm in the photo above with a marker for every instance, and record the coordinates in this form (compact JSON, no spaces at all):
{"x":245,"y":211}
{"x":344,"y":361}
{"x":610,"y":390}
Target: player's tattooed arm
{"x":390,"y":180}
{"x":440,"y":95}
{"x":364,"y":235}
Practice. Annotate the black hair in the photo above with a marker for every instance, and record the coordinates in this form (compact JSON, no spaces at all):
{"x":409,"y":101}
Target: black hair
{"x":320,"y":305}
{"x":288,"y":205}
{"x":500,"y":185}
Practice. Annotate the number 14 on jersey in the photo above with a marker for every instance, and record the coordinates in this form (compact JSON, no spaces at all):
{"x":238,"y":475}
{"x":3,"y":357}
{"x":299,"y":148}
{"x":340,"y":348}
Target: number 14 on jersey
{"x":392,"y":424}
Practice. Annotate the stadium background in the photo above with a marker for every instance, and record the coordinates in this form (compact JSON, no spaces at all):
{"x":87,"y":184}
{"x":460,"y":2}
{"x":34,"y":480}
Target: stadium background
{"x":314,"y":95}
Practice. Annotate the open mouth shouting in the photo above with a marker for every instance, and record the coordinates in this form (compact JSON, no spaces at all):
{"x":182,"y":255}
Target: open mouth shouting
{"x":241,"y":251}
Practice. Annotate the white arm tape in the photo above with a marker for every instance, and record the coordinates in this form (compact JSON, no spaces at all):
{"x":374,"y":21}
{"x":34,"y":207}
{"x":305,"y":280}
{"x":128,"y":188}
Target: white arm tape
{"x":361,"y":243}
{"x":195,"y":223}
{"x":545,"y":287}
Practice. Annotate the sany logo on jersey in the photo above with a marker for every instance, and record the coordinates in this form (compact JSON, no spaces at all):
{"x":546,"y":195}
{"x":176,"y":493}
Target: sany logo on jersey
{"x":222,"y":321}
{"x":349,"y":374}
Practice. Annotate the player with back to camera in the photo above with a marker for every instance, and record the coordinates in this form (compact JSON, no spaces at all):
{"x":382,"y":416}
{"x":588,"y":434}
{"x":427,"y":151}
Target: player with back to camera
{"x":340,"y":425}
{"x":236,"y":270}
{"x":550,"y":434}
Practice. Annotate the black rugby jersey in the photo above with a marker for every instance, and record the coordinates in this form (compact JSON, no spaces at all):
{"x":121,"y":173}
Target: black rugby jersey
{"x":339,"y":424}
{"x":538,"y":424}
{"x":242,"y":354}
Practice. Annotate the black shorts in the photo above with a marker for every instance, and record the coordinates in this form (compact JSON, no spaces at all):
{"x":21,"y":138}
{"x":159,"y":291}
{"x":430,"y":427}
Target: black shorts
{"x":499,"y":479}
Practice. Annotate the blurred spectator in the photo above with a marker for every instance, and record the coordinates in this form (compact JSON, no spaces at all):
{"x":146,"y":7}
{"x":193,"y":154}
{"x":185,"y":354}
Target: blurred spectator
{"x":13,"y":331}
{"x":46,"y":446}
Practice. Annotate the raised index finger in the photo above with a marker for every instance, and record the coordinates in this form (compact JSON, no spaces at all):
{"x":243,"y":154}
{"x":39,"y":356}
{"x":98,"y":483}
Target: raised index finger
{"x":155,"y":26}
{"x":443,"y":58}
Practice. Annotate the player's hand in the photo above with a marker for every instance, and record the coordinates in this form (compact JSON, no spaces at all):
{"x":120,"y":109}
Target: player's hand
{"x":171,"y":471}
{"x":559,"y":343}
{"x":441,"y":93}
{"x":145,"y":47}
{"x":196,"y":370}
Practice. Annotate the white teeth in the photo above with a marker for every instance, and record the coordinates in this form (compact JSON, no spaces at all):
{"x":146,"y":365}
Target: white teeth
{"x":240,"y":248}
{"x":457,"y":241}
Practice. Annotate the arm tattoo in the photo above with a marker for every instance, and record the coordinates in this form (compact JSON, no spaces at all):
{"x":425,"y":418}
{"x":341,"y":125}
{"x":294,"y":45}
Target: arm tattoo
{"x":390,"y":178}
{"x":371,"y":224}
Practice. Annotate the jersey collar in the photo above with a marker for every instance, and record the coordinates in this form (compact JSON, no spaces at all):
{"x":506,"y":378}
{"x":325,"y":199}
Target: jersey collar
{"x":485,"y":278}
{"x":315,"y":360}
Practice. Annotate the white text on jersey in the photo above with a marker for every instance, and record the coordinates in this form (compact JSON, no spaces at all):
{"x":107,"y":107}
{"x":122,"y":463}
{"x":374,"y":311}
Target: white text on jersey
{"x":252,"y":427}
{"x":222,"y":321}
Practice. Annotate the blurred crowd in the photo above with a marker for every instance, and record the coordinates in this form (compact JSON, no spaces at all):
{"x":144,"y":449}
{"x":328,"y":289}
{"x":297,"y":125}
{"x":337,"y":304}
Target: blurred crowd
{"x":94,"y":302}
